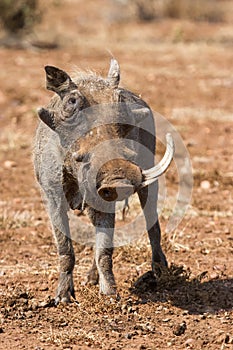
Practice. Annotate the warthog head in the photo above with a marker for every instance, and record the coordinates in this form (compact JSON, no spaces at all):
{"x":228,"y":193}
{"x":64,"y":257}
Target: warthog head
{"x":99,"y":135}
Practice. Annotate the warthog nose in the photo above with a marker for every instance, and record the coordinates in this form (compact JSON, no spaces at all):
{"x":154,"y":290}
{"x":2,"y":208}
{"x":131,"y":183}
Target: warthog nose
{"x":117,"y":191}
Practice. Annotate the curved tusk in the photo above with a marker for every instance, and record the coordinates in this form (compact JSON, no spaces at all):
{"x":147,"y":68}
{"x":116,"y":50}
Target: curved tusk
{"x":152,"y":174}
{"x":160,"y":168}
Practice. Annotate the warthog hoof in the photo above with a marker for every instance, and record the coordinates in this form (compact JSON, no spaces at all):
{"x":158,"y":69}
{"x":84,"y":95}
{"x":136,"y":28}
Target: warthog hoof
{"x":65,"y":288}
{"x":107,"y":287}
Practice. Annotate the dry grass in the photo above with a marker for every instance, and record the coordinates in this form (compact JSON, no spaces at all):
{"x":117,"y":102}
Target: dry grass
{"x":199,"y":10}
{"x":18,"y":16}
{"x":13,"y":140}
{"x":12,"y":219}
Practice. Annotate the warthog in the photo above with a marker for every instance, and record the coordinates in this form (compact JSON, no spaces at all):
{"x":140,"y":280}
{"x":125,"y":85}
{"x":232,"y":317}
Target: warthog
{"x":94,"y":146}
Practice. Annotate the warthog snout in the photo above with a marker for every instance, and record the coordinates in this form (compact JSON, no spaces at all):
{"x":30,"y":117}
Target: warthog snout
{"x":117,"y":191}
{"x":117,"y":179}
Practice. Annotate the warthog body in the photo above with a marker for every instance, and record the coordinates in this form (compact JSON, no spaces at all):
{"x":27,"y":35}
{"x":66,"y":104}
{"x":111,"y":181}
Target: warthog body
{"x":89,"y":153}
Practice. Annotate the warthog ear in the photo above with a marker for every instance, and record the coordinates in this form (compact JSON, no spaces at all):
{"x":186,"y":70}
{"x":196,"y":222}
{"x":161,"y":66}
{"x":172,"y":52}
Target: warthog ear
{"x":114,"y":74}
{"x":58,"y":81}
{"x":47,"y":117}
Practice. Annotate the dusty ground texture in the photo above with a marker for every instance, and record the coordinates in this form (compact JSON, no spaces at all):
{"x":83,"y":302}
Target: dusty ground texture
{"x":184,"y":70}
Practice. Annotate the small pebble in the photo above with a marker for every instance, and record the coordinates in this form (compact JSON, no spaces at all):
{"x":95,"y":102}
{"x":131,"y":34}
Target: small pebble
{"x":128,"y":336}
{"x":190,"y":342}
{"x":8,"y":164}
{"x":205,"y":185}
{"x":214,"y":275}
{"x":180,"y":329}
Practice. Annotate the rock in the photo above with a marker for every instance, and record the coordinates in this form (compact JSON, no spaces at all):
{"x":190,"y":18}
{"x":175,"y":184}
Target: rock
{"x":49,"y":302}
{"x":205,"y":185}
{"x":227,"y":339}
{"x":8,"y":164}
{"x":190,"y":342}
{"x":180,"y":328}
{"x":214,"y":275}
{"x":128,"y":335}
{"x":171,"y":342}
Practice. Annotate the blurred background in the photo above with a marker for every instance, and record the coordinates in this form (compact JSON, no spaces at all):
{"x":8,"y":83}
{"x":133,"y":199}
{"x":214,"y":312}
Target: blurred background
{"x":162,"y":45}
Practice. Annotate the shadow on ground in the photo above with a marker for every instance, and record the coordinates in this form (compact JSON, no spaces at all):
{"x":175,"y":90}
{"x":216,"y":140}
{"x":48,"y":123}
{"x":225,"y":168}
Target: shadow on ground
{"x":192,"y":294}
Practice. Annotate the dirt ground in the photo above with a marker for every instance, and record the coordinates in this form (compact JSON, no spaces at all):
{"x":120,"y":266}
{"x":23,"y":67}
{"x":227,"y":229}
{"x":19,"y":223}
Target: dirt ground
{"x":183,"y":69}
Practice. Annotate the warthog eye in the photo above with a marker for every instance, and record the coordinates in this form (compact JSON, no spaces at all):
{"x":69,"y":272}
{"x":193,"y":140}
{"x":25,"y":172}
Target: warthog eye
{"x":72,"y":100}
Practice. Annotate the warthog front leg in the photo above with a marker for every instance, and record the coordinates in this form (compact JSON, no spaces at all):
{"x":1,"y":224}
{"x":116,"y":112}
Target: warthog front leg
{"x":66,"y":264}
{"x":104,"y":223}
{"x":148,"y":198}
{"x":59,"y":219}
{"x":103,"y":258}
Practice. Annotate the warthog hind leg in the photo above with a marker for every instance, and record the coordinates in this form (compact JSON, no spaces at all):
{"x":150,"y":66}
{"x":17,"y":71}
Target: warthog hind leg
{"x":148,"y":198}
{"x":92,"y":275}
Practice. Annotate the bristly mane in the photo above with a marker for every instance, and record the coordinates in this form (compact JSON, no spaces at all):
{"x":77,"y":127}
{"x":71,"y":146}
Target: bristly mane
{"x":94,"y":87}
{"x":89,"y":78}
